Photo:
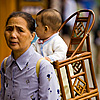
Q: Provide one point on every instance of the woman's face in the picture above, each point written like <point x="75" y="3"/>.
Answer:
<point x="17" y="35"/>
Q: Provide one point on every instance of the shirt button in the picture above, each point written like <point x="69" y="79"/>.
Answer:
<point x="27" y="81"/>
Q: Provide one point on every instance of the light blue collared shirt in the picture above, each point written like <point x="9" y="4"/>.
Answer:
<point x="22" y="83"/>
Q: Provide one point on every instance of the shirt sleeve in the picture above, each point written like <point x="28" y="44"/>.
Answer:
<point x="59" y="50"/>
<point x="48" y="84"/>
<point x="2" y="83"/>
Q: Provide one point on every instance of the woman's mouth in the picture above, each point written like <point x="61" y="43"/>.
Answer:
<point x="13" y="43"/>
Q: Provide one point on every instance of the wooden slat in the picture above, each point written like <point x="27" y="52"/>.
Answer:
<point x="79" y="74"/>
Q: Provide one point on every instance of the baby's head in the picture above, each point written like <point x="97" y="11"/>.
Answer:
<point x="48" y="22"/>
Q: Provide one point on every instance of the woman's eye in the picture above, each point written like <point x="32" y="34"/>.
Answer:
<point x="20" y="30"/>
<point x="9" y="28"/>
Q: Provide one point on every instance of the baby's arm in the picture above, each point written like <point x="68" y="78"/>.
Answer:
<point x="59" y="49"/>
<point x="47" y="58"/>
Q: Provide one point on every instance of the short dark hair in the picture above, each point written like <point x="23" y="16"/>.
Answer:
<point x="28" y="17"/>
<point x="50" y="17"/>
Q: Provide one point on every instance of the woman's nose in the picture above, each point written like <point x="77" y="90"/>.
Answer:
<point x="13" y="34"/>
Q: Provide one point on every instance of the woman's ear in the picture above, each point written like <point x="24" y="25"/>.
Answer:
<point x="33" y="36"/>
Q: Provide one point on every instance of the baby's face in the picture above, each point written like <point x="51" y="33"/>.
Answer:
<point x="43" y="32"/>
<point x="40" y="29"/>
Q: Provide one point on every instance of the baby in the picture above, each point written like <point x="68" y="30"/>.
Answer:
<point x="50" y="45"/>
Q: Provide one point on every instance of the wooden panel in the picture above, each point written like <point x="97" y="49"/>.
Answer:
<point x="32" y="6"/>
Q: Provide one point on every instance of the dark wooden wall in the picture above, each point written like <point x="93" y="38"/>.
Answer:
<point x="6" y="7"/>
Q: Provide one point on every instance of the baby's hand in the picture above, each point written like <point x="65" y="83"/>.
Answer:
<point x="48" y="59"/>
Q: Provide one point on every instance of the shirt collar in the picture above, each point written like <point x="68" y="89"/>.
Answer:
<point x="10" y="60"/>
<point x="22" y="63"/>
<point x="42" y="41"/>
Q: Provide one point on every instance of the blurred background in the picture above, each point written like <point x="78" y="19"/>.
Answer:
<point x="66" y="8"/>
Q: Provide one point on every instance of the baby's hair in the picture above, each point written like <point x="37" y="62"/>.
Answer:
<point x="28" y="17"/>
<point x="51" y="18"/>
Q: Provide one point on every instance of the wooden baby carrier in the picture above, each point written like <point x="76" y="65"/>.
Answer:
<point x="77" y="56"/>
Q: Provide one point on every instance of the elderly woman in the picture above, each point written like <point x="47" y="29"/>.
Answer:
<point x="19" y="79"/>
